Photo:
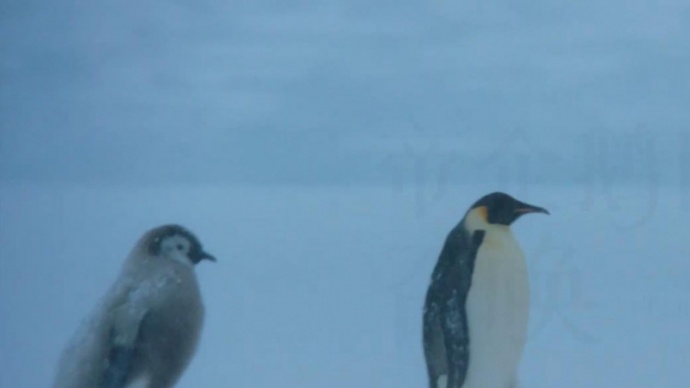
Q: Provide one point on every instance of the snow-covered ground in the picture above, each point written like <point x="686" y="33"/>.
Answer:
<point x="324" y="285"/>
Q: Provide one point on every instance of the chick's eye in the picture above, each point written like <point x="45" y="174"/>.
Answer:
<point x="180" y="247"/>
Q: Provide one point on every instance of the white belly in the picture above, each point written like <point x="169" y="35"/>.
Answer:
<point x="497" y="312"/>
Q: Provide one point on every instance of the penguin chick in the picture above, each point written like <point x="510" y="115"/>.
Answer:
<point x="146" y="328"/>
<point x="477" y="305"/>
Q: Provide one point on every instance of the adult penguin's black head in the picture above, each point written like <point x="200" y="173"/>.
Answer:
<point x="502" y="209"/>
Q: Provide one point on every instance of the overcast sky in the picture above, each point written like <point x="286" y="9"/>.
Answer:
<point x="130" y="92"/>
<point x="120" y="115"/>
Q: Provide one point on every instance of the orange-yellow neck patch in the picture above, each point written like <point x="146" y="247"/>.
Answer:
<point x="483" y="212"/>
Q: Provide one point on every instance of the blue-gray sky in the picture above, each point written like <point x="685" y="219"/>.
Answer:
<point x="349" y="92"/>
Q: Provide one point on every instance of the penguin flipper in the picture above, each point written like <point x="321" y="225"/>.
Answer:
<point x="456" y="282"/>
<point x="456" y="338"/>
<point x="434" y="349"/>
<point x="124" y="335"/>
<point x="119" y="366"/>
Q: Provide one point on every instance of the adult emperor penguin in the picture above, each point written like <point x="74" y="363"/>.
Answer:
<point x="145" y="331"/>
<point x="477" y="306"/>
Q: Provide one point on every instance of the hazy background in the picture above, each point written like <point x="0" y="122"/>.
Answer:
<point x="322" y="150"/>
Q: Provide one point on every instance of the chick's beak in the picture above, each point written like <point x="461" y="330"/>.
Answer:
<point x="207" y="256"/>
